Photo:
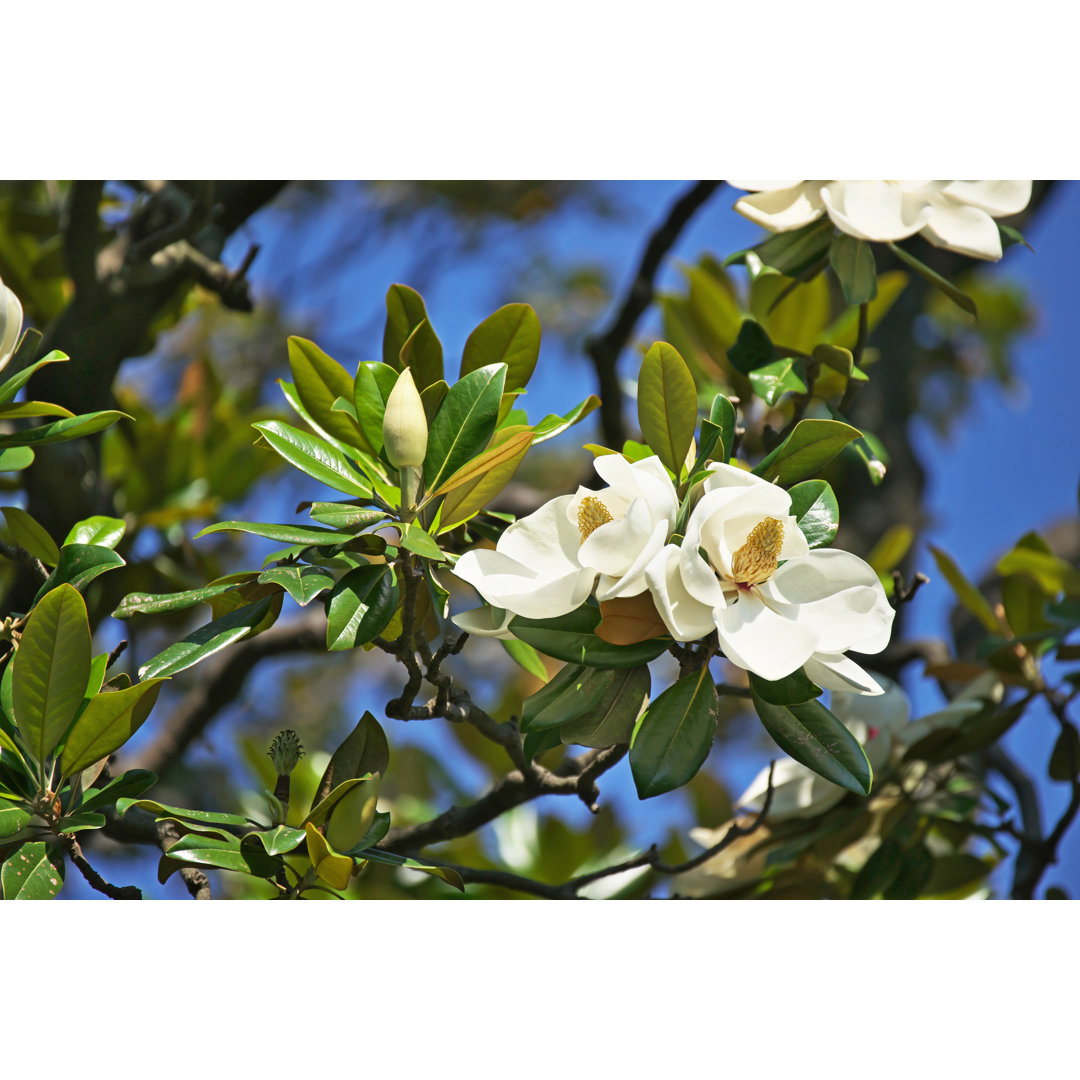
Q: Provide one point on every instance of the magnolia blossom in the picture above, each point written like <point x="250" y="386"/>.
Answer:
<point x="954" y="214"/>
<point x="11" y="317"/>
<point x="746" y="571"/>
<point x="548" y="563"/>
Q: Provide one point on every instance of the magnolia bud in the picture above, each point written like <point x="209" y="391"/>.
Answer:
<point x="405" y="429"/>
<point x="285" y="752"/>
<point x="11" y="318"/>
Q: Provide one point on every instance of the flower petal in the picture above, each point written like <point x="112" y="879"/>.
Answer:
<point x="481" y="622"/>
<point x="835" y="671"/>
<point x="11" y="320"/>
<point x="686" y="617"/>
<point x="966" y="229"/>
<point x="756" y="638"/>
<point x="783" y="209"/>
<point x="874" y="209"/>
<point x="797" y="792"/>
<point x="506" y="583"/>
<point x="999" y="198"/>
<point x="632" y="581"/>
<point x="646" y="478"/>
<point x="546" y="541"/>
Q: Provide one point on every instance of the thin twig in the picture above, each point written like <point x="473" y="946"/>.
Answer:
<point x="96" y="881"/>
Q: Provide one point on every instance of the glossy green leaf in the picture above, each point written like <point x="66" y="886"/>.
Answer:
<point x="343" y="515"/>
<point x="330" y="865"/>
<point x="673" y="737"/>
<point x="319" y="380"/>
<point x="464" y="425"/>
<point x="796" y="252"/>
<point x="474" y="485"/>
<point x="432" y="397"/>
<point x="33" y="871"/>
<point x="302" y="583"/>
<point x="553" y="424"/>
<point x="752" y="349"/>
<point x="360" y="607"/>
<point x="196" y="817"/>
<point x="793" y="689"/>
<point x="966" y="593"/>
<point x="284" y="534"/>
<point x="509" y="336"/>
<point x="771" y="381"/>
<point x="353" y="814"/>
<point x="321" y="811"/>
<point x="99" y="530"/>
<point x="810" y="734"/>
<point x="811" y="445"/>
<point x="363" y="752"/>
<point x="32" y="409"/>
<point x="371" y="388"/>
<point x="13" y="819"/>
<point x="451" y="877"/>
<point x="276" y="841"/>
<point x="127" y="785"/>
<point x="611" y="720"/>
<point x="74" y="427"/>
<point x="405" y="311"/>
<point x="206" y="641"/>
<point x="106" y="724"/>
<point x="156" y="603"/>
<point x="194" y="849"/>
<point x="30" y="535"/>
<point x="422" y="354"/>
<point x="722" y="414"/>
<point x="525" y="656"/>
<point x="572" y="693"/>
<point x="51" y="669"/>
<point x="571" y="637"/>
<point x="935" y="279"/>
<point x="667" y="405"/>
<point x="17" y="381"/>
<point x="814" y="507"/>
<point x="852" y="260"/>
<point x="79" y="564"/>
<point x="315" y="457"/>
<point x="539" y="742"/>
<point x="80" y="822"/>
<point x="416" y="540"/>
<point x="16" y="458"/>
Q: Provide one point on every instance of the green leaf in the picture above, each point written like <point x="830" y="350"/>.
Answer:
<point x="128" y="784"/>
<point x="422" y="353"/>
<point x="405" y="311"/>
<point x="106" y="724"/>
<point x="510" y="336"/>
<point x="771" y="381"/>
<point x="372" y="387"/>
<point x="79" y="564"/>
<point x="464" y="424"/>
<point x="32" y="409"/>
<point x="853" y="261"/>
<point x="553" y="424"/>
<point x="80" y="822"/>
<point x="99" y="530"/>
<point x="33" y="872"/>
<point x="966" y="593"/>
<point x="752" y="349"/>
<point x="156" y="603"/>
<point x="811" y="445"/>
<point x="314" y="456"/>
<point x="353" y="814"/>
<point x="319" y="381"/>
<point x="31" y="536"/>
<point x="342" y="515"/>
<point x="722" y="414"/>
<point x="194" y="849"/>
<point x="612" y="719"/>
<point x="793" y="689"/>
<point x="1032" y="557"/>
<point x="321" y="811"/>
<point x="360" y="607"/>
<point x="475" y="484"/>
<point x="363" y="752"/>
<point x="17" y="381"/>
<point x="1065" y="759"/>
<point x="814" y="507"/>
<point x="197" y="817"/>
<point x="284" y="534"/>
<point x="795" y="252"/>
<point x="206" y="641"/>
<point x="74" y="427"/>
<point x="380" y="826"/>
<point x="51" y="670"/>
<point x="889" y="551"/>
<point x="525" y="656"/>
<point x="667" y="405"/>
<point x="935" y="279"/>
<point x="539" y="742"/>
<point x="674" y="735"/>
<point x="16" y="458"/>
<point x="414" y="539"/>
<point x="302" y="583"/>
<point x="451" y="877"/>
<point x="571" y="638"/>
<point x="432" y="398"/>
<point x="276" y="841"/>
<point x="813" y="736"/>
<point x="572" y="693"/>
<point x="13" y="819"/>
<point x="879" y="871"/>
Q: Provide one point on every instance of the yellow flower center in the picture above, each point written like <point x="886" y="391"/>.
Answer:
<point x="592" y="513"/>
<point x="757" y="559"/>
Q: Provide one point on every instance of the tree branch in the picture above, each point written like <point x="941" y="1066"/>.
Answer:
<point x="96" y="881"/>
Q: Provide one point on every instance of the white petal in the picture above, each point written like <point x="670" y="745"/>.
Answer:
<point x="686" y="618"/>
<point x="999" y="198"/>
<point x="784" y="209"/>
<point x="11" y="319"/>
<point x="480" y="622"/>
<point x="760" y="640"/>
<point x="546" y="541"/>
<point x="834" y="671"/>
<point x="874" y="209"/>
<point x="506" y="583"/>
<point x="611" y="548"/>
<point x="965" y="229"/>
<point x="952" y="716"/>
<point x="797" y="792"/>
<point x="632" y="582"/>
<point x="839" y="595"/>
<point x="647" y="478"/>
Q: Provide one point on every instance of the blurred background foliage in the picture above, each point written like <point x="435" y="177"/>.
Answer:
<point x="188" y="337"/>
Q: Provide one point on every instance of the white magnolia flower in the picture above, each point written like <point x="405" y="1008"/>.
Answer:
<point x="745" y="570"/>
<point x="11" y="318"/>
<point x="954" y="214"/>
<point x="548" y="563"/>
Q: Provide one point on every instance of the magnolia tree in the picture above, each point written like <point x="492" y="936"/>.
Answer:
<point x="689" y="580"/>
